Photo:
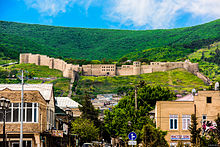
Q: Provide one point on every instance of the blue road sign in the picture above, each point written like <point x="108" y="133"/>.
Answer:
<point x="132" y="136"/>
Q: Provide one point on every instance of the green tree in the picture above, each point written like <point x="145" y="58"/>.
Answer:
<point x="153" y="137"/>
<point x="88" y="110"/>
<point x="195" y="131"/>
<point x="85" y="129"/>
<point x="218" y="126"/>
<point x="115" y="121"/>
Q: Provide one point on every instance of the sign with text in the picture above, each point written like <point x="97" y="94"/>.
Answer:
<point x="131" y="142"/>
<point x="57" y="133"/>
<point x="180" y="137"/>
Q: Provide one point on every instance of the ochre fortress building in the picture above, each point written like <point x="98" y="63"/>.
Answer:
<point x="69" y="70"/>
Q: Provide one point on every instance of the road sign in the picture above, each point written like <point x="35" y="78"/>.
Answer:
<point x="132" y="142"/>
<point x="132" y="136"/>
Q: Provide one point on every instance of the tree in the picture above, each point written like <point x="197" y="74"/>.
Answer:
<point x="88" y="110"/>
<point x="117" y="124"/>
<point x="218" y="126"/>
<point x="195" y="132"/>
<point x="152" y="137"/>
<point x="85" y="129"/>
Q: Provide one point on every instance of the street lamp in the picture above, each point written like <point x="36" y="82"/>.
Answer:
<point x="69" y="116"/>
<point x="4" y="105"/>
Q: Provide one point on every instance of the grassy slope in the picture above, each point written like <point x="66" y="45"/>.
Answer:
<point x="61" y="85"/>
<point x="83" y="43"/>
<point x="178" y="80"/>
<point x="209" y="69"/>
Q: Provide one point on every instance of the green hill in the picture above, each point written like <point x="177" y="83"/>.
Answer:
<point x="90" y="44"/>
<point x="35" y="74"/>
<point x="178" y="80"/>
<point x="209" y="60"/>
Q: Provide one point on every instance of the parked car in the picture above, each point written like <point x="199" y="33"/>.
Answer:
<point x="87" y="144"/>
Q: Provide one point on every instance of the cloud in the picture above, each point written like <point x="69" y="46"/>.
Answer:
<point x="161" y="13"/>
<point x="54" y="7"/>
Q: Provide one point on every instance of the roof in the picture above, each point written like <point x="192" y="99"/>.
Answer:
<point x="46" y="90"/>
<point x="64" y="102"/>
<point x="188" y="97"/>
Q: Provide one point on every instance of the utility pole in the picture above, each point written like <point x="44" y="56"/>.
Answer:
<point x="22" y="99"/>
<point x="135" y="96"/>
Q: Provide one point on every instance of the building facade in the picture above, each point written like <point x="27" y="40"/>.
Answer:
<point x="175" y="116"/>
<point x="38" y="114"/>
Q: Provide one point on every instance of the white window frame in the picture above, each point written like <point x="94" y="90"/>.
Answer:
<point x="173" y="118"/>
<point x="187" y="120"/>
<point x="25" y="108"/>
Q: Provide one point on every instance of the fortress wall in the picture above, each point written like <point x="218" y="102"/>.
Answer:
<point x="96" y="70"/>
<point x="87" y="70"/>
<point x="51" y="63"/>
<point x="109" y="69"/>
<point x="59" y="64"/>
<point x="202" y="77"/>
<point x="136" y="68"/>
<point x="76" y="67"/>
<point x="104" y="69"/>
<point x="44" y="60"/>
<point x="24" y="58"/>
<point x="34" y="59"/>
<point x="192" y="67"/>
<point x="124" y="71"/>
<point x="146" y="69"/>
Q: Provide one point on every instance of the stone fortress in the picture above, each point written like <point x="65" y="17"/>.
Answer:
<point x="69" y="70"/>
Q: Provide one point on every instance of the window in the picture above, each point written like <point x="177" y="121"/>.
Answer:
<point x="30" y="113"/>
<point x="186" y="120"/>
<point x="173" y="122"/>
<point x="209" y="99"/>
<point x="204" y="117"/>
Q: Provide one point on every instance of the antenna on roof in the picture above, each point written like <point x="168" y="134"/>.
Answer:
<point x="193" y="91"/>
<point x="217" y="86"/>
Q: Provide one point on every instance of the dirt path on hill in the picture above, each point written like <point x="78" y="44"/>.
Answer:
<point x="170" y="79"/>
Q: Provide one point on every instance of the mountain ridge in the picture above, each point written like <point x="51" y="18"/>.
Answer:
<point x="92" y="43"/>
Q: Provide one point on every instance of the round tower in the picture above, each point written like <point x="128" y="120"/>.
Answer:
<point x="136" y="68"/>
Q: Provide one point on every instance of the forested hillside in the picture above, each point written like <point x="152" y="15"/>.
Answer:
<point x="90" y="44"/>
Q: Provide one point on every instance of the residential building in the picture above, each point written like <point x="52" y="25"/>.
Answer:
<point x="38" y="112"/>
<point x="175" y="116"/>
<point x="66" y="111"/>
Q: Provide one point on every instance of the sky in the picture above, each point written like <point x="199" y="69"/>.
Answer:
<point x="111" y="14"/>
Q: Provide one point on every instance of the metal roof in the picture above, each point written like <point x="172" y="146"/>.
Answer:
<point x="64" y="102"/>
<point x="46" y="90"/>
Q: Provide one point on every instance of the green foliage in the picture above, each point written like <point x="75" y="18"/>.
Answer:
<point x="195" y="131"/>
<point x="61" y="86"/>
<point x="85" y="129"/>
<point x="83" y="43"/>
<point x="179" y="80"/>
<point x="218" y="126"/>
<point x="153" y="137"/>
<point x="202" y="140"/>
<point x="117" y="124"/>
<point x="36" y="71"/>
<point x="209" y="61"/>
<point x="88" y="111"/>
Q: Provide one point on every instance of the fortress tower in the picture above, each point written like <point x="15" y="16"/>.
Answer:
<point x="136" y="68"/>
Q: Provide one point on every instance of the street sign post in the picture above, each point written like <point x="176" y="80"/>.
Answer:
<point x="132" y="136"/>
<point x="131" y="142"/>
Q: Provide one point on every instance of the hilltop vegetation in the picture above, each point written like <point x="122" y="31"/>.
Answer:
<point x="35" y="74"/>
<point x="178" y="80"/>
<point x="209" y="60"/>
<point x="91" y="44"/>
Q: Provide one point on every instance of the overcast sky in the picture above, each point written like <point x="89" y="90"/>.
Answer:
<point x="111" y="14"/>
